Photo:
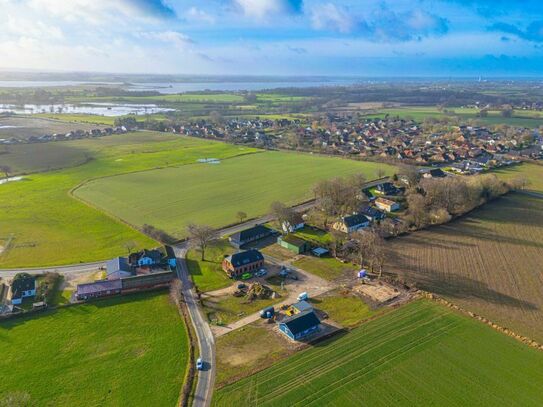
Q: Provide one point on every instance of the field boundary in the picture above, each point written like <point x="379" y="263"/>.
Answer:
<point x="521" y="338"/>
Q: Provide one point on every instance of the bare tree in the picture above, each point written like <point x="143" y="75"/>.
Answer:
<point x="130" y="246"/>
<point x="6" y="169"/>
<point x="241" y="216"/>
<point x="417" y="209"/>
<point x="201" y="236"/>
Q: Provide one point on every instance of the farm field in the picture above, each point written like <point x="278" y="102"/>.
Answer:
<point x="488" y="262"/>
<point x="52" y="228"/>
<point x="216" y="193"/>
<point x="23" y="127"/>
<point x="415" y="355"/>
<point x="532" y="172"/>
<point x="100" y="353"/>
<point x="520" y="118"/>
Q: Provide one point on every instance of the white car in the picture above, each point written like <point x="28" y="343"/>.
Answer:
<point x="199" y="364"/>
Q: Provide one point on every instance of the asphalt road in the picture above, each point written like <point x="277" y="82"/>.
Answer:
<point x="74" y="268"/>
<point x="206" y="342"/>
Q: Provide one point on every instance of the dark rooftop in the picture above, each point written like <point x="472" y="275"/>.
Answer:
<point x="301" y="322"/>
<point x="354" y="220"/>
<point x="247" y="257"/>
<point x="98" y="286"/>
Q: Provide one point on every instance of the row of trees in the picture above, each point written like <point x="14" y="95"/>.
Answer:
<point x="436" y="201"/>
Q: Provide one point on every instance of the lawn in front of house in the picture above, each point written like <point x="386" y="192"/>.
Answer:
<point x="226" y="309"/>
<point x="208" y="274"/>
<point x="247" y="350"/>
<point x="105" y="353"/>
<point x="343" y="307"/>
<point x="328" y="268"/>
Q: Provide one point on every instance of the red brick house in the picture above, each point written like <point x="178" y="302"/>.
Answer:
<point x="242" y="262"/>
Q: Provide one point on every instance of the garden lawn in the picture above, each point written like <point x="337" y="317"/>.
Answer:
<point x="226" y="309"/>
<point x="213" y="194"/>
<point x="50" y="227"/>
<point x="208" y="275"/>
<point x="420" y="354"/>
<point x="130" y="351"/>
<point x="346" y="309"/>
<point x="328" y="268"/>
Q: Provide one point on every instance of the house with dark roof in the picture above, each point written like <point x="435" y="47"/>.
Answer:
<point x="373" y="214"/>
<point x="300" y="326"/>
<point x="250" y="235"/>
<point x="387" y="188"/>
<point x="117" y="268"/>
<point x="22" y="286"/>
<point x="149" y="258"/>
<point x="351" y="223"/>
<point x="435" y="173"/>
<point x="243" y="262"/>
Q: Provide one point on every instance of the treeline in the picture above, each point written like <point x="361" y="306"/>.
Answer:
<point x="437" y="201"/>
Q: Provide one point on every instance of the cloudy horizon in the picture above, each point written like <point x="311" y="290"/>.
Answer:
<point x="274" y="37"/>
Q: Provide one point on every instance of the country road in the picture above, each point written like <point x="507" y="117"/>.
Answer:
<point x="206" y="342"/>
<point x="71" y="269"/>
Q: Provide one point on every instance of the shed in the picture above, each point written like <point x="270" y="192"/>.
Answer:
<point x="320" y="251"/>
<point x="117" y="268"/>
<point x="300" y="326"/>
<point x="302" y="306"/>
<point x="294" y="244"/>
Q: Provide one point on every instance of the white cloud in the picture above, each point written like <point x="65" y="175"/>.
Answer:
<point x="333" y="18"/>
<point x="196" y="14"/>
<point x="263" y="8"/>
<point x="179" y="40"/>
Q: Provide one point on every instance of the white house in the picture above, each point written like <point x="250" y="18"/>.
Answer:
<point x="22" y="286"/>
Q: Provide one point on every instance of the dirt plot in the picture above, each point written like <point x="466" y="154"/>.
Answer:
<point x="23" y="127"/>
<point x="489" y="262"/>
<point x="380" y="293"/>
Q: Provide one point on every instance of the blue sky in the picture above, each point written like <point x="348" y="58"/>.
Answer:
<point x="275" y="37"/>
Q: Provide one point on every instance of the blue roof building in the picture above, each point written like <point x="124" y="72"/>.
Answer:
<point x="300" y="326"/>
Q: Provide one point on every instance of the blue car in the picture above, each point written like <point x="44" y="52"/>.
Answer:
<point x="199" y="364"/>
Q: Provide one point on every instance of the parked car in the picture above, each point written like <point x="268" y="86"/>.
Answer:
<point x="261" y="272"/>
<point x="242" y="286"/>
<point x="199" y="364"/>
<point x="246" y="276"/>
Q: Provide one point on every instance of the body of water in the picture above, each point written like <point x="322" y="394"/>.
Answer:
<point x="102" y="109"/>
<point x="181" y="87"/>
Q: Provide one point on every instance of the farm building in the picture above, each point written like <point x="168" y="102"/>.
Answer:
<point x="300" y="326"/>
<point x="387" y="205"/>
<point x="352" y="223"/>
<point x="242" y="262"/>
<point x="104" y="288"/>
<point x="294" y="244"/>
<point x="250" y="235"/>
<point x="22" y="286"/>
<point x="118" y="268"/>
<point x="146" y="258"/>
<point x="98" y="289"/>
<point x="373" y="214"/>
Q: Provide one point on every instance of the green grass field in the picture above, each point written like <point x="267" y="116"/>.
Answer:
<point x="521" y="118"/>
<point x="420" y="354"/>
<point x="208" y="275"/>
<point x="344" y="308"/>
<point x="51" y="227"/>
<point x="328" y="268"/>
<point x="213" y="194"/>
<point x="122" y="351"/>
<point x="532" y="172"/>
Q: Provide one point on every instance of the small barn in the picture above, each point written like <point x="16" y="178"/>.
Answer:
<point x="294" y="244"/>
<point x="300" y="326"/>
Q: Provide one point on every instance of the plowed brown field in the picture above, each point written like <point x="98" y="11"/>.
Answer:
<point x="490" y="262"/>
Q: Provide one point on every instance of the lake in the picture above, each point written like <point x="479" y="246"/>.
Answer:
<point x="102" y="109"/>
